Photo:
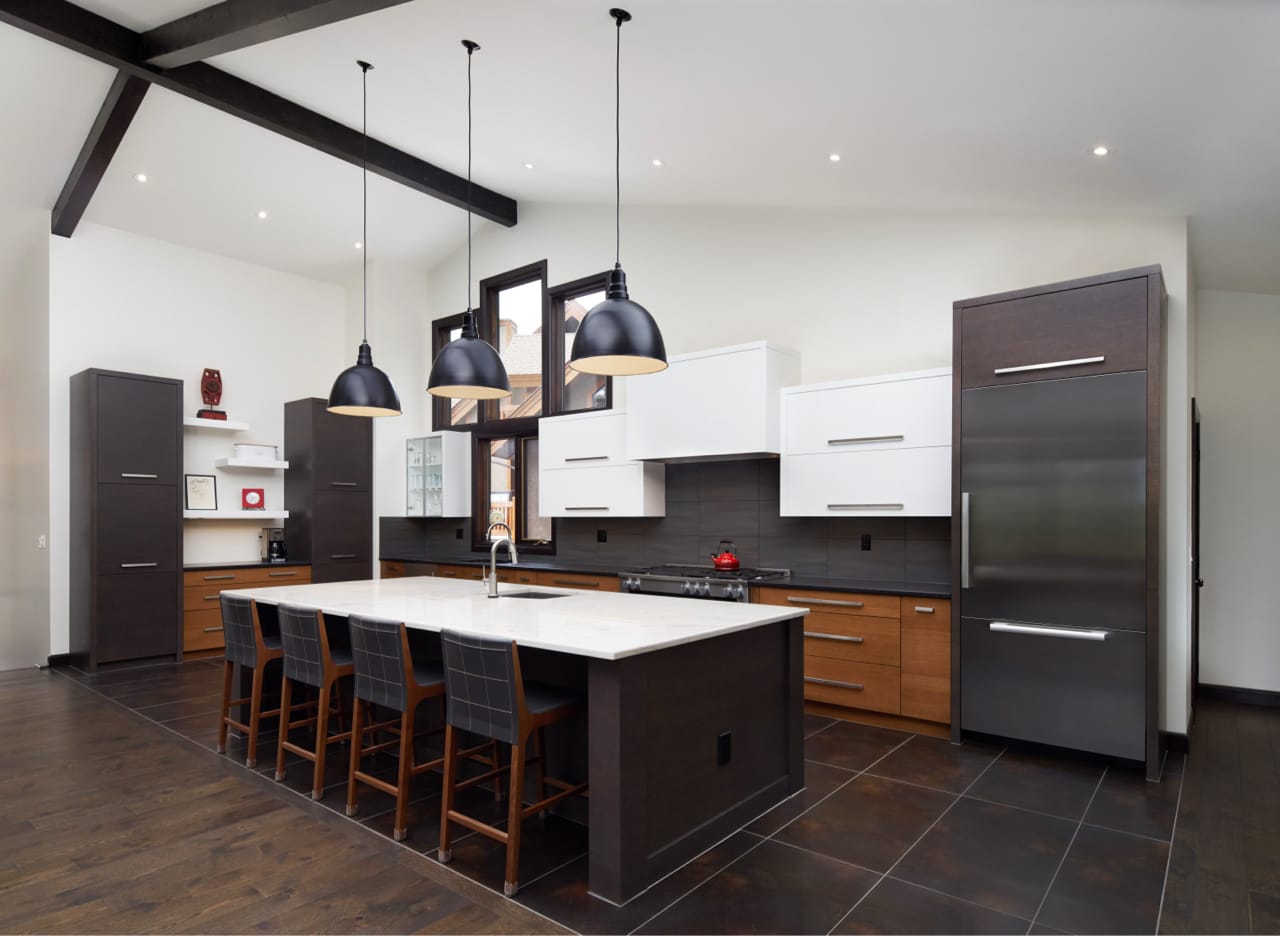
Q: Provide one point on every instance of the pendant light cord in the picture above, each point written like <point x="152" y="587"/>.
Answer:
<point x="617" y="148"/>
<point x="470" y="51"/>
<point x="364" y="168"/>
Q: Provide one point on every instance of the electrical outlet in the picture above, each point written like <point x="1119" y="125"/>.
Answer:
<point x="724" y="748"/>
<point x="42" y="542"/>
<point x="457" y="534"/>
<point x="866" y="542"/>
<point x="602" y="536"/>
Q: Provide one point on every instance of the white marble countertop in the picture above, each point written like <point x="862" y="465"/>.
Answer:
<point x="605" y="625"/>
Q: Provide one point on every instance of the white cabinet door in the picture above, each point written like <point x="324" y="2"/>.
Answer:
<point x="868" y="416"/>
<point x="619" y="491"/>
<point x="585" y="440"/>
<point x="902" y="482"/>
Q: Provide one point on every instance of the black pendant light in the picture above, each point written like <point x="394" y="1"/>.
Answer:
<point x="468" y="368"/>
<point x="363" y="390"/>
<point x="618" y="337"/>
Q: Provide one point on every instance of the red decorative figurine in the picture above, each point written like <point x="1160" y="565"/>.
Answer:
<point x="211" y="393"/>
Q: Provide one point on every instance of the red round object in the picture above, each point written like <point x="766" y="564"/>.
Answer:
<point x="727" y="559"/>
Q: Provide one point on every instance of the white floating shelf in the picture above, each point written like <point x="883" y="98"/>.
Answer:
<point x="226" y="425"/>
<point x="248" y="464"/>
<point x="235" y="515"/>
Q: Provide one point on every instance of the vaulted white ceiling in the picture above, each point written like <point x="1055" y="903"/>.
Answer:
<point x="932" y="104"/>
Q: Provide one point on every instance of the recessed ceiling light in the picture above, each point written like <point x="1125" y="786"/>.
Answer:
<point x="359" y="246"/>
<point x="834" y="157"/>
<point x="657" y="162"/>
<point x="528" y="165"/>
<point x="262" y="216"/>
<point x="1101" y="150"/>
<point x="140" y="177"/>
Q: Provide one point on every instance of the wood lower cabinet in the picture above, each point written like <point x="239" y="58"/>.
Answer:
<point x="608" y="583"/>
<point x="471" y="573"/>
<point x="395" y="568"/>
<point x="887" y="654"/>
<point x="202" y="589"/>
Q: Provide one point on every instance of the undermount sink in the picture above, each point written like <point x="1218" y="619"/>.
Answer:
<point x="532" y="594"/>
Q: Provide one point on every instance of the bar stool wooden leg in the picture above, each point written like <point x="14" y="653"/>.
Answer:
<point x="540" y="765"/>
<point x="255" y="715"/>
<point x="228" y="669"/>
<point x="357" y="743"/>
<point x="286" y="697"/>
<point x="445" y="853"/>
<point x="515" y="817"/>
<point x="322" y="739"/>
<point x="406" y="770"/>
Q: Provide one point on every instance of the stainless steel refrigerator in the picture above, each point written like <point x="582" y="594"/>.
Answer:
<point x="1053" y="566"/>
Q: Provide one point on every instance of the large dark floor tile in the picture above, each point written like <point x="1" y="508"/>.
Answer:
<point x="936" y="763"/>
<point x="563" y="895"/>
<point x="771" y="889"/>
<point x="819" y="781"/>
<point x="1126" y="801"/>
<point x="545" y="844"/>
<point x="999" y="857"/>
<point x="1047" y="783"/>
<point x="870" y="822"/>
<point x="898" y="907"/>
<point x="852" y="746"/>
<point x="203" y="704"/>
<point x="1110" y="883"/>
<point x="815" y="723"/>
<point x="1264" y="912"/>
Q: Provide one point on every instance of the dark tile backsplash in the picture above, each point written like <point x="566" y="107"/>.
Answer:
<point x="710" y="501"/>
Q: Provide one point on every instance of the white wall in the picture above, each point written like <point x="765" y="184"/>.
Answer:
<point x="1239" y="396"/>
<point x="24" y="433"/>
<point x="859" y="294"/>
<point x="124" y="302"/>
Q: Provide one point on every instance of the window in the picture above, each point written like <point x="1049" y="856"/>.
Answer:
<point x="570" y="303"/>
<point x="514" y="305"/>
<point x="507" y="492"/>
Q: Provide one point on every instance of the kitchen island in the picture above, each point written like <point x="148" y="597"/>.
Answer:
<point x="695" y="721"/>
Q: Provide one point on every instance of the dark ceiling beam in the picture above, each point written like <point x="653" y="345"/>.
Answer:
<point x="237" y="24"/>
<point x="99" y="38"/>
<point x="123" y="101"/>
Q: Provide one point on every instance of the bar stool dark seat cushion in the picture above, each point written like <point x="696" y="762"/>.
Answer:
<point x="428" y="673"/>
<point x="539" y="697"/>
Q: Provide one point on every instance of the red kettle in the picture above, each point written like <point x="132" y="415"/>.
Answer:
<point x="727" y="560"/>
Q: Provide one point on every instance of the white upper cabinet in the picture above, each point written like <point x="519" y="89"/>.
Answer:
<point x="711" y="404"/>
<point x="583" y="471"/>
<point x="438" y="475"/>
<point x="865" y="448"/>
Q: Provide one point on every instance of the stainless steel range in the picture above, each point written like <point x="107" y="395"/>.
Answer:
<point x="697" y="581"/>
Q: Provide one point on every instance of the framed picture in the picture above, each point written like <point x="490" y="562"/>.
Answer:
<point x="202" y="492"/>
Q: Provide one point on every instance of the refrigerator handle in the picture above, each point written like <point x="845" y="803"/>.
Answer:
<point x="964" y="540"/>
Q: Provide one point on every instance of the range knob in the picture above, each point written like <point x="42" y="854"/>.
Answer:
<point x="686" y="588"/>
<point x="706" y="588"/>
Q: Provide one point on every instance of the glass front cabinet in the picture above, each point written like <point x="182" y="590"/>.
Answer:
<point x="438" y="475"/>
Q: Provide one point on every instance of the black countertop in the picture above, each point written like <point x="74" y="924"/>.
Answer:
<point x="916" y="589"/>
<point x="194" y="566"/>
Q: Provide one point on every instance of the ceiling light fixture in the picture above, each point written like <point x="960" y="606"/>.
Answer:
<point x="362" y="389"/>
<point x="468" y="368"/>
<point x="1101" y="150"/>
<point x="528" y="165"/>
<point x="262" y="216"/>
<point x="359" y="245"/>
<point x="140" y="177"/>
<point x="657" y="162"/>
<point x="618" y="337"/>
<point x="834" y="157"/>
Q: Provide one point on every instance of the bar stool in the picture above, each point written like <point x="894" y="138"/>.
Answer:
<point x="309" y="659"/>
<point x="386" y="675"/>
<point x="249" y="646"/>
<point x="488" y="696"/>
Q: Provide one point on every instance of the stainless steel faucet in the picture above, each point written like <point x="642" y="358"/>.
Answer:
<point x="488" y="534"/>
<point x="493" y="560"/>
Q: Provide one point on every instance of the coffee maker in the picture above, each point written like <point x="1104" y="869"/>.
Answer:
<point x="272" y="540"/>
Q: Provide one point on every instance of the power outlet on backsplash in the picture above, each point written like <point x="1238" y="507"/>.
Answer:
<point x="866" y="542"/>
<point x="457" y="533"/>
<point x="602" y="536"/>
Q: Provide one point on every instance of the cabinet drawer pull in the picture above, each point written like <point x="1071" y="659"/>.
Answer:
<point x="865" y="506"/>
<point x="822" y="636"/>
<point x="861" y="440"/>
<point x="578" y="458"/>
<point x="281" y="574"/>
<point x="218" y="578"/>
<point x="586" y="508"/>
<point x="575" y="584"/>
<point x="343" y="556"/>
<point x="138" y="565"/>
<point x="796" y="599"/>
<point x="213" y="630"/>
<point x="834" y="682"/>
<point x="1076" y="362"/>
<point x="136" y="474"/>
<point x="345" y="483"/>
<point x="1035" y="630"/>
<point x="210" y="597"/>
<point x="447" y="574"/>
<point x="922" y="609"/>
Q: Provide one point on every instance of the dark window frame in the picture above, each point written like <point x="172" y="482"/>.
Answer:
<point x="482" y="436"/>
<point x="557" y="296"/>
<point x="490" y="287"/>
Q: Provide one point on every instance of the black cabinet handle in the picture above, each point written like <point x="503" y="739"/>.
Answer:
<point x="218" y="578"/>
<point x="343" y="556"/>
<point x="344" y="483"/>
<point x="281" y="574"/>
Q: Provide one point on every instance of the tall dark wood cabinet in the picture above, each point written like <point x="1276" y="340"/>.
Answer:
<point x="328" y="491"/>
<point x="1057" y="447"/>
<point x="126" y="517"/>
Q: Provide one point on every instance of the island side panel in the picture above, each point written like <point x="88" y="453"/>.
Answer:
<point x="659" y="795"/>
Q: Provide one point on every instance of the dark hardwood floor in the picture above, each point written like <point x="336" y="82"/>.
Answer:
<point x="121" y="818"/>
